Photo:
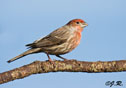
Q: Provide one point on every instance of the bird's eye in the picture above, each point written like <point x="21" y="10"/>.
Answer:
<point x="77" y="22"/>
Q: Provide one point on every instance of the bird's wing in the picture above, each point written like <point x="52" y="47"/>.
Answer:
<point x="57" y="37"/>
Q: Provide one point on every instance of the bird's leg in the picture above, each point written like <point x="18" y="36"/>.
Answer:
<point x="61" y="57"/>
<point x="49" y="57"/>
<point x="50" y="60"/>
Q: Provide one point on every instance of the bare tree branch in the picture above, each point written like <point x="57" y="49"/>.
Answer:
<point x="62" y="66"/>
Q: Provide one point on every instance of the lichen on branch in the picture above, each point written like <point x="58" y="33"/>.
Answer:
<point x="62" y="66"/>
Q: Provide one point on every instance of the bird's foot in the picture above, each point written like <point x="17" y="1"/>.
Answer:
<point x="51" y="61"/>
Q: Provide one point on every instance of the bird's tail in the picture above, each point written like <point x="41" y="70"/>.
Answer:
<point x="35" y="50"/>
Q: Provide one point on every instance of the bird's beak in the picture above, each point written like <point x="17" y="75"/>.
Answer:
<point x="84" y="25"/>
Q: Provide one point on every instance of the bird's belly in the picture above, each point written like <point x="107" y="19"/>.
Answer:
<point x="61" y="49"/>
<point x="56" y="50"/>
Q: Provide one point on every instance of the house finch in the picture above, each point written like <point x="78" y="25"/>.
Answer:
<point x="59" y="42"/>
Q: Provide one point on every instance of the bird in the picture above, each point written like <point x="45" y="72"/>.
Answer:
<point x="61" y="41"/>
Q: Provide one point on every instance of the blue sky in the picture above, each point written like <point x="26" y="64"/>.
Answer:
<point x="23" y="21"/>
